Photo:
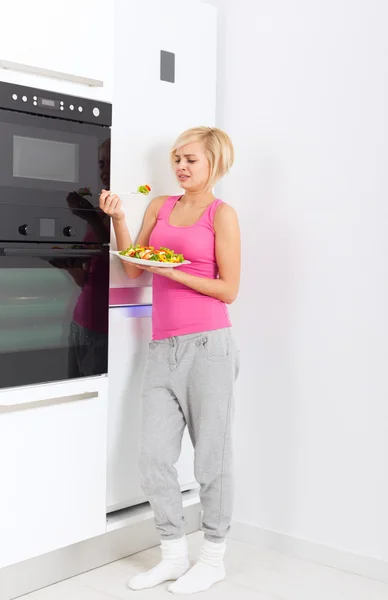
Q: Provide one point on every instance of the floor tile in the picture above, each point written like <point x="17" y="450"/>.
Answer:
<point x="131" y="565"/>
<point x="294" y="579"/>
<point x="252" y="574"/>
<point x="226" y="590"/>
<point x="117" y="586"/>
<point x="68" y="590"/>
<point x="112" y="580"/>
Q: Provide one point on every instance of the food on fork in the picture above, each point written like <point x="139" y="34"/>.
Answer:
<point x="150" y="253"/>
<point x="85" y="191"/>
<point x="143" y="189"/>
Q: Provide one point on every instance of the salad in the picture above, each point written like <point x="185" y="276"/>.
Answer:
<point x="144" y="189"/>
<point x="150" y="253"/>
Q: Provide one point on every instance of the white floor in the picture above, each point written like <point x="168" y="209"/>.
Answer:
<point x="253" y="574"/>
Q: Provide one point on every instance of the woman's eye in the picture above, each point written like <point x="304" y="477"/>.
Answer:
<point x="191" y="161"/>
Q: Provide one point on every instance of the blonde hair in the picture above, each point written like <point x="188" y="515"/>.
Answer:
<point x="218" y="149"/>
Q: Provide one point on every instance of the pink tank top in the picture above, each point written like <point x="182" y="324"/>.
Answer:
<point x="177" y="309"/>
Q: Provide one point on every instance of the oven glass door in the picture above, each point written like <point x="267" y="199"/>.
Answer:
<point x="53" y="312"/>
<point x="43" y="160"/>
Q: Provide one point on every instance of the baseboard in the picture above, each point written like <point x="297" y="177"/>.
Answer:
<point x="373" y="568"/>
<point x="127" y="533"/>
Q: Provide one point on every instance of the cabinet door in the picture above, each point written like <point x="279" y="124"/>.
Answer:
<point x="66" y="38"/>
<point x="53" y="468"/>
<point x="129" y="335"/>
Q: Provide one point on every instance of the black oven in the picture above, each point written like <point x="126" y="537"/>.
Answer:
<point x="54" y="240"/>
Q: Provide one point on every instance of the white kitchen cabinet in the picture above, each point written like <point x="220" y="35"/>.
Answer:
<point x="72" y="39"/>
<point x="129" y="336"/>
<point x="53" y="467"/>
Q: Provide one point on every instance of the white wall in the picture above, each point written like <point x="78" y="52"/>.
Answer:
<point x="303" y="92"/>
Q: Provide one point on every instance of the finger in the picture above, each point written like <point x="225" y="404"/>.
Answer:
<point x="105" y="205"/>
<point x="102" y="201"/>
<point x="116" y="203"/>
<point x="103" y="198"/>
<point x="110" y="202"/>
<point x="112" y="198"/>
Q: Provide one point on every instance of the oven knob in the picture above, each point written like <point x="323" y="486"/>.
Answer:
<point x="69" y="231"/>
<point x="23" y="230"/>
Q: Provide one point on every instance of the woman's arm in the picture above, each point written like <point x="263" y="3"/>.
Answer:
<point x="112" y="206"/>
<point x="228" y="256"/>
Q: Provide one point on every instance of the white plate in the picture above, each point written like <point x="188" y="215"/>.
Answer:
<point x="148" y="263"/>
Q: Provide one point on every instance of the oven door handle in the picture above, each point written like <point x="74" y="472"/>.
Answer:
<point x="49" y="253"/>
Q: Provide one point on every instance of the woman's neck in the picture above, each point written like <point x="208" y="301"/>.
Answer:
<point x="198" y="198"/>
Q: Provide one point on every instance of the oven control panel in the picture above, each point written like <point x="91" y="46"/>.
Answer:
<point x="41" y="228"/>
<point x="52" y="104"/>
<point x="50" y="224"/>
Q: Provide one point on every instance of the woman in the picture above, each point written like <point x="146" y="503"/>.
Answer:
<point x="193" y="360"/>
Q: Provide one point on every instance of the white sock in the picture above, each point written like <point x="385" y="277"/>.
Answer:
<point x="174" y="564"/>
<point x="208" y="571"/>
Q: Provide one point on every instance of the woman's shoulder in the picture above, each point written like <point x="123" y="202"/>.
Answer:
<point x="159" y="203"/>
<point x="224" y="210"/>
<point x="224" y="215"/>
<point x="159" y="200"/>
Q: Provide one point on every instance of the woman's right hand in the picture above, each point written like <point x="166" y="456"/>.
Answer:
<point x="111" y="205"/>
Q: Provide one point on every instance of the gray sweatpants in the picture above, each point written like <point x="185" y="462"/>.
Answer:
<point x="189" y="381"/>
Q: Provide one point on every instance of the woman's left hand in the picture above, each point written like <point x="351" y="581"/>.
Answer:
<point x="164" y="271"/>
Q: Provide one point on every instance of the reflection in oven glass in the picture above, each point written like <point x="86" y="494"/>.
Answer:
<point x="53" y="317"/>
<point x="88" y="341"/>
<point x="88" y="324"/>
<point x="35" y="158"/>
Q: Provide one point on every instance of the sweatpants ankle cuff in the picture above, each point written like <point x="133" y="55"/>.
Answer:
<point x="214" y="539"/>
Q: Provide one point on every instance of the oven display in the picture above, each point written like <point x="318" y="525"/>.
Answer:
<point x="48" y="103"/>
<point x="47" y="227"/>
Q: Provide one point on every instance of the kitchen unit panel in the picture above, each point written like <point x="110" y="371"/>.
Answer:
<point x="53" y="467"/>
<point x="59" y="46"/>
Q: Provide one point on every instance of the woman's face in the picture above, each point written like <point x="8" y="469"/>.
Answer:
<point x="192" y="167"/>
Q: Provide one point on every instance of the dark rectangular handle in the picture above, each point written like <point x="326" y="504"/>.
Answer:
<point x="49" y="253"/>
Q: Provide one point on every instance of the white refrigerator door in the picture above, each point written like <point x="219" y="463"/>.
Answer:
<point x="153" y="102"/>
<point x="148" y="112"/>
<point x="130" y="333"/>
